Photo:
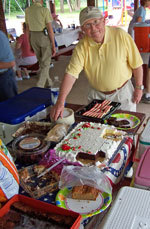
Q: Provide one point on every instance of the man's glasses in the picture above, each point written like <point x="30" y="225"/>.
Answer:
<point x="95" y="23"/>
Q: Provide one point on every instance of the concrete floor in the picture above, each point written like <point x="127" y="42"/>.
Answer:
<point x="79" y="92"/>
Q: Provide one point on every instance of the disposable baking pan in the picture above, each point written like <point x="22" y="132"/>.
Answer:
<point x="42" y="207"/>
<point x="79" y="114"/>
<point x="37" y="187"/>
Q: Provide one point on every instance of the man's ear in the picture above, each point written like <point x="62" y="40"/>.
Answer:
<point x="104" y="19"/>
<point x="82" y="28"/>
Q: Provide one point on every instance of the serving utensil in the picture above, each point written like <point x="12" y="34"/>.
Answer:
<point x="51" y="167"/>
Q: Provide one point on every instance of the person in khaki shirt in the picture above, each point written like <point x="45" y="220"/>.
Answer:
<point x="38" y="20"/>
<point x="109" y="57"/>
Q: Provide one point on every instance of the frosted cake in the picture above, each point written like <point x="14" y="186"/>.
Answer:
<point x="89" y="141"/>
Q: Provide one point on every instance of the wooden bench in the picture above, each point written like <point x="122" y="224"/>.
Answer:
<point x="67" y="51"/>
<point x="33" y="68"/>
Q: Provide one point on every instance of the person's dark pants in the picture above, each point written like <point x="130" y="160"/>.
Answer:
<point x="8" y="85"/>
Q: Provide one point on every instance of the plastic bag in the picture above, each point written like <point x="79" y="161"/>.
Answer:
<point x="50" y="158"/>
<point x="57" y="132"/>
<point x="9" y="179"/>
<point x="76" y="176"/>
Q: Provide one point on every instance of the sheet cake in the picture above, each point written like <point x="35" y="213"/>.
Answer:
<point x="89" y="140"/>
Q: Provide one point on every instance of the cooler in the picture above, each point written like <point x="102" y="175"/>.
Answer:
<point x="130" y="210"/>
<point x="32" y="104"/>
<point x="142" y="176"/>
<point x="144" y="141"/>
<point x="141" y="36"/>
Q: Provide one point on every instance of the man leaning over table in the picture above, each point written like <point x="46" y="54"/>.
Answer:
<point x="38" y="20"/>
<point x="8" y="86"/>
<point x="108" y="55"/>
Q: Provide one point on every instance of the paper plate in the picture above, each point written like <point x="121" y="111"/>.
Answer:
<point x="133" y="120"/>
<point x="86" y="208"/>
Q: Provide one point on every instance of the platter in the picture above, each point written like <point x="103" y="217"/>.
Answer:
<point x="81" y="113"/>
<point x="132" y="120"/>
<point x="86" y="208"/>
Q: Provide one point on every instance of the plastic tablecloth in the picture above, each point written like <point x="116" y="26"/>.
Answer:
<point x="67" y="37"/>
<point x="114" y="171"/>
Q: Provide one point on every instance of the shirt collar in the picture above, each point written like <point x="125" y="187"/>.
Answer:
<point x="38" y="4"/>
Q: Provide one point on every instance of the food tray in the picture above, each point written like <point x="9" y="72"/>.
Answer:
<point x="38" y="187"/>
<point x="30" y="155"/>
<point x="39" y="207"/>
<point x="79" y="114"/>
<point x="32" y="127"/>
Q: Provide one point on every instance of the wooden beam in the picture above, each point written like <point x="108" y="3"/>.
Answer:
<point x="136" y="5"/>
<point x="2" y="19"/>
<point x="52" y="6"/>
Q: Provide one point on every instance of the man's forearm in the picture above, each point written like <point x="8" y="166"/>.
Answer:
<point x="138" y="76"/>
<point x="6" y="65"/>
<point x="66" y="87"/>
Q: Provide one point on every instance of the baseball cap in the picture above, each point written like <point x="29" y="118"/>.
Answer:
<point x="88" y="13"/>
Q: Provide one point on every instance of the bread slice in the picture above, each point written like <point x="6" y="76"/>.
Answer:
<point x="84" y="192"/>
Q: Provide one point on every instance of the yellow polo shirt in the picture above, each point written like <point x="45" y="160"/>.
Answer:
<point x="37" y="16"/>
<point x="107" y="66"/>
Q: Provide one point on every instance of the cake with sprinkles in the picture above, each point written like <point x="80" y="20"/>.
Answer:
<point x="89" y="141"/>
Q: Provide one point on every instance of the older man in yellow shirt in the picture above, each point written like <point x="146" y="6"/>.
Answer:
<point x="108" y="56"/>
<point x="38" y="20"/>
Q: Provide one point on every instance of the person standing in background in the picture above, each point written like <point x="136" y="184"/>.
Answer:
<point x="146" y="96"/>
<point x="8" y="86"/>
<point x="38" y="20"/>
<point x="26" y="57"/>
<point x="56" y="23"/>
<point x="139" y="16"/>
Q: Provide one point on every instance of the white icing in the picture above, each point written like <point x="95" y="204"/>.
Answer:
<point x="89" y="140"/>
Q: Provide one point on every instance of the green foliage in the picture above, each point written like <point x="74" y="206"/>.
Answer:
<point x="57" y="3"/>
<point x="14" y="6"/>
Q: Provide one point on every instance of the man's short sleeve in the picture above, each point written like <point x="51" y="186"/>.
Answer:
<point x="6" y="54"/>
<point x="26" y="16"/>
<point x="48" y="17"/>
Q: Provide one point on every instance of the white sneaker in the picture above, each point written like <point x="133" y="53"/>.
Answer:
<point x="51" y="65"/>
<point x="26" y="77"/>
<point x="18" y="78"/>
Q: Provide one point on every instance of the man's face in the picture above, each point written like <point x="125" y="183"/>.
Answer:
<point x="95" y="28"/>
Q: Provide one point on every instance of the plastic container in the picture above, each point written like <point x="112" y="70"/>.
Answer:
<point x="141" y="36"/>
<point x="55" y="90"/>
<point x="142" y="176"/>
<point x="130" y="209"/>
<point x="144" y="141"/>
<point x="42" y="207"/>
<point x="30" y="148"/>
<point x="32" y="104"/>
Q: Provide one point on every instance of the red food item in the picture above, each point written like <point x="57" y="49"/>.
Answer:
<point x="86" y="125"/>
<point x="65" y="147"/>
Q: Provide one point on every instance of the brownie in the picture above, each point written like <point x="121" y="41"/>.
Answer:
<point x="84" y="192"/>
<point x="50" y="217"/>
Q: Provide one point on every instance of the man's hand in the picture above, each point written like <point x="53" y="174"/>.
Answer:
<point x="57" y="111"/>
<point x="53" y="51"/>
<point x="137" y="95"/>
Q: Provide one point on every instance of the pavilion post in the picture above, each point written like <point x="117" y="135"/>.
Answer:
<point x="2" y="19"/>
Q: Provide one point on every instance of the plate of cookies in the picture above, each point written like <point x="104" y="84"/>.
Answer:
<point x="123" y="121"/>
<point x="85" y="200"/>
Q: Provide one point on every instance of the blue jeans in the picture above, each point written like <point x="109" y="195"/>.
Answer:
<point x="8" y="85"/>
